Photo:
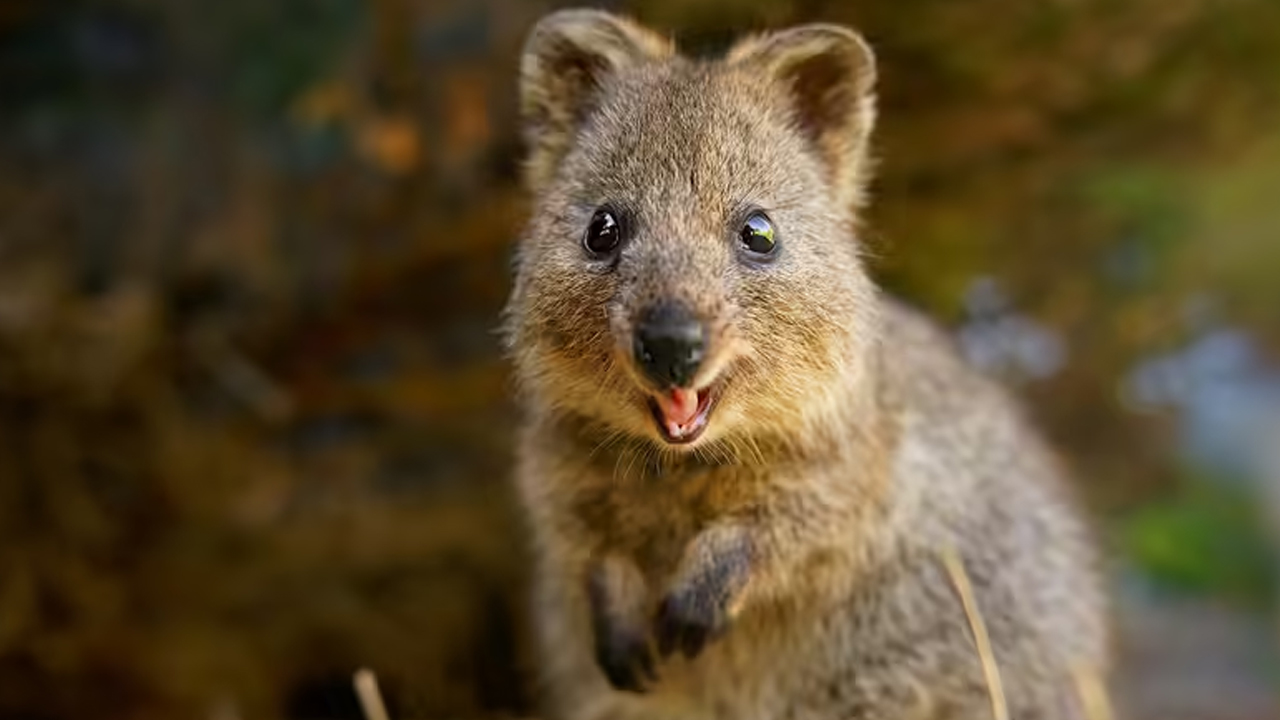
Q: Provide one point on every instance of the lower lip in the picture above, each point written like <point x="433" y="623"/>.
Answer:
<point x="705" y="403"/>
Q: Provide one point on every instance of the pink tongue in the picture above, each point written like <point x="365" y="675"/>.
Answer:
<point x="679" y="406"/>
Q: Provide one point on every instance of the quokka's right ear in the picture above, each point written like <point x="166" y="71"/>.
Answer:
<point x="829" y="72"/>
<point x="568" y="57"/>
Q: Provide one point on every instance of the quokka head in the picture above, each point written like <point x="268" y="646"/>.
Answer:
<point x="691" y="273"/>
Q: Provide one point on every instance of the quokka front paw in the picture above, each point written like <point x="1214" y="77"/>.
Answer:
<point x="626" y="658"/>
<point x="622" y="648"/>
<point x="688" y="619"/>
<point x="707" y="592"/>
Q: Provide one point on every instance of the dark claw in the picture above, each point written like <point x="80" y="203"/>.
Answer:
<point x="626" y="660"/>
<point x="687" y="621"/>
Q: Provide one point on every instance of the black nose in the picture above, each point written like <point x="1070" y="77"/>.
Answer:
<point x="670" y="343"/>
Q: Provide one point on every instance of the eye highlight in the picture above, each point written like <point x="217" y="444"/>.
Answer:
<point x="603" y="235"/>
<point x="758" y="236"/>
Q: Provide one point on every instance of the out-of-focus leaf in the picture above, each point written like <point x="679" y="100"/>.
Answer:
<point x="1209" y="540"/>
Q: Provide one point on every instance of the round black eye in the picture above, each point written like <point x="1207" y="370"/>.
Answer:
<point x="757" y="235"/>
<point x="603" y="234"/>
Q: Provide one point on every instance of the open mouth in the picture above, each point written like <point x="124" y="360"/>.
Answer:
<point x="682" y="414"/>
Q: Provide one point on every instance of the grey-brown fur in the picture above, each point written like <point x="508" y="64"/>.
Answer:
<point x="786" y="565"/>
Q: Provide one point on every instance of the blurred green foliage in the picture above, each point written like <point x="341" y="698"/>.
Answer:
<point x="1211" y="539"/>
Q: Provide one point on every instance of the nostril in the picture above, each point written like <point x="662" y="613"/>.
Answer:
<point x="670" y="343"/>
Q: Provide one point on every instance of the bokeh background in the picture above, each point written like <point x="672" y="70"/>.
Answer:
<point x="254" y="423"/>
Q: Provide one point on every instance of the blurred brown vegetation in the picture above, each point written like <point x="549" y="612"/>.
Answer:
<point x="254" y="423"/>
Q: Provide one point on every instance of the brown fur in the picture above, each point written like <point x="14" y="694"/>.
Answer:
<point x="786" y="564"/>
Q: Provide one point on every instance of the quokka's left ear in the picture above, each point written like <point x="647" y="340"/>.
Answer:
<point x="829" y="72"/>
<point x="568" y="60"/>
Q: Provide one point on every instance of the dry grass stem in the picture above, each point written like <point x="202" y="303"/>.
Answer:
<point x="960" y="580"/>
<point x="1093" y="694"/>
<point x="370" y="699"/>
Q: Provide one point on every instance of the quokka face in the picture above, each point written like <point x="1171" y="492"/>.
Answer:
<point x="690" y="274"/>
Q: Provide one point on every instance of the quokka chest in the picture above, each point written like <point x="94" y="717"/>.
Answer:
<point x="650" y="515"/>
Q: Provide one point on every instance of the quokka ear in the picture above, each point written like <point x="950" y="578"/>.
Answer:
<point x="568" y="57"/>
<point x="829" y="72"/>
